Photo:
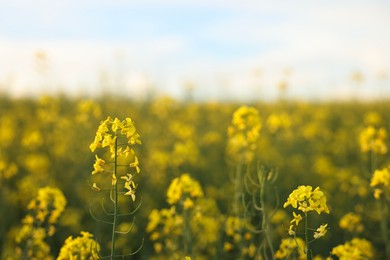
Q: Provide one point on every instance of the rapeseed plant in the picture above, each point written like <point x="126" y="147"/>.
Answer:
<point x="189" y="227"/>
<point x="380" y="181"/>
<point x="118" y="137"/>
<point x="243" y="135"/>
<point x="307" y="200"/>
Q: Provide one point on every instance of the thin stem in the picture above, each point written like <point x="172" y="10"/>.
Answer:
<point x="384" y="226"/>
<point x="264" y="223"/>
<point x="115" y="201"/>
<point x="306" y="239"/>
<point x="187" y="233"/>
<point x="237" y="190"/>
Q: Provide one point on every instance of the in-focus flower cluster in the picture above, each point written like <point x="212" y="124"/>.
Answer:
<point x="243" y="134"/>
<point x="108" y="132"/>
<point x="305" y="199"/>
<point x="184" y="189"/>
<point x="81" y="247"/>
<point x="380" y="181"/>
<point x="357" y="248"/>
<point x="119" y="137"/>
<point x="374" y="140"/>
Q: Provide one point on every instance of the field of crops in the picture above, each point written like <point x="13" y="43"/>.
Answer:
<point x="167" y="179"/>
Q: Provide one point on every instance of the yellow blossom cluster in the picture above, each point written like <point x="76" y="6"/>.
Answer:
<point x="164" y="227"/>
<point x="305" y="199"/>
<point x="374" y="140"/>
<point x="356" y="249"/>
<point x="31" y="243"/>
<point x="87" y="109"/>
<point x="118" y="136"/>
<point x="351" y="222"/>
<point x="243" y="134"/>
<point x="7" y="170"/>
<point x="233" y="225"/>
<point x="291" y="248"/>
<point x="235" y="236"/>
<point x="277" y="121"/>
<point x="45" y="211"/>
<point x="47" y="207"/>
<point x="190" y="215"/>
<point x="380" y="181"/>
<point x="184" y="189"/>
<point x="107" y="134"/>
<point x="81" y="247"/>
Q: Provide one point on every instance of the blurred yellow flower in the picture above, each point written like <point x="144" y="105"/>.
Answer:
<point x="381" y="177"/>
<point x="351" y="222"/>
<point x="356" y="249"/>
<point x="243" y="134"/>
<point x="374" y="140"/>
<point x="291" y="248"/>
<point x="380" y="180"/>
<point x="183" y="186"/>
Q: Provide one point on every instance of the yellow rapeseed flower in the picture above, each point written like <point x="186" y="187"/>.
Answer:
<point x="380" y="181"/>
<point x="118" y="136"/>
<point x="306" y="199"/>
<point x="356" y="249"/>
<point x="183" y="186"/>
<point x="97" y="166"/>
<point x="243" y="134"/>
<point x="290" y="247"/>
<point x="81" y="247"/>
<point x="381" y="177"/>
<point x="321" y="231"/>
<point x="374" y="140"/>
<point x="297" y="219"/>
<point x="351" y="222"/>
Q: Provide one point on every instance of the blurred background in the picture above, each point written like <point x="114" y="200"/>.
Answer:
<point x="206" y="50"/>
<point x="316" y="77"/>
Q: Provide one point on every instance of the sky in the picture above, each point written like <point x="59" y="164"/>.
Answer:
<point x="222" y="49"/>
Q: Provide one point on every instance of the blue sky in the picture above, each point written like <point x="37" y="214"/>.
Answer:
<point x="138" y="46"/>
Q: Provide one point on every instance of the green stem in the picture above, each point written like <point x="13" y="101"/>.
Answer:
<point x="187" y="234"/>
<point x="264" y="223"/>
<point x="384" y="226"/>
<point x="306" y="239"/>
<point x="237" y="190"/>
<point x="238" y="194"/>
<point x="114" y="223"/>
